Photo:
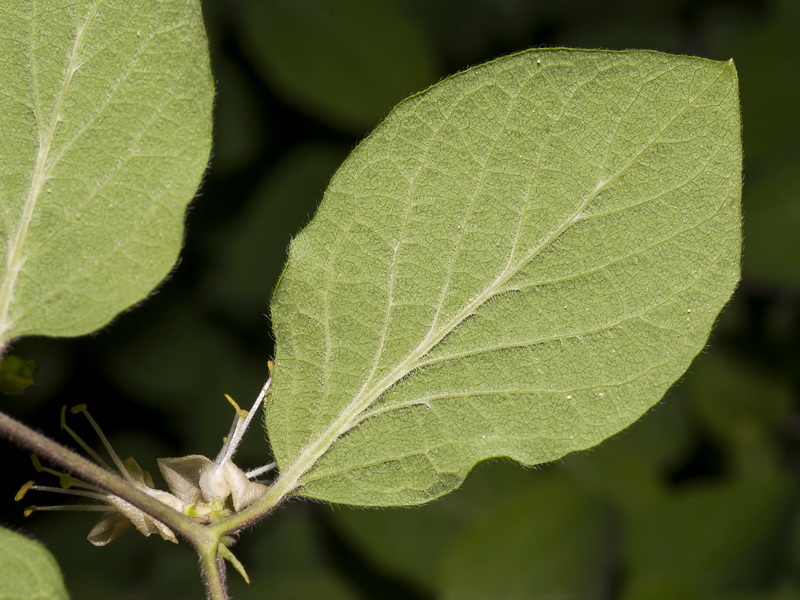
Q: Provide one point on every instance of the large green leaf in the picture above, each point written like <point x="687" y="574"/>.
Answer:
<point x="105" y="118"/>
<point x="518" y="262"/>
<point x="28" y="570"/>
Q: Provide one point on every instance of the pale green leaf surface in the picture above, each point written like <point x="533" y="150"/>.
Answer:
<point x="27" y="570"/>
<point x="518" y="262"/>
<point x="105" y="116"/>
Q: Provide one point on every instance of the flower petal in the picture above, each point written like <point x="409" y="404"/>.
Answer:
<point x="108" y="528"/>
<point x="183" y="476"/>
<point x="243" y="491"/>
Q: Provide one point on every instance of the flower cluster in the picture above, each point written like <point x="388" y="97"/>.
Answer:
<point x="200" y="488"/>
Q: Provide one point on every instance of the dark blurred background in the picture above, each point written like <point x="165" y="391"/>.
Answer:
<point x="697" y="500"/>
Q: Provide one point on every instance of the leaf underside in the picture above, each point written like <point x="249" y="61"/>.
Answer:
<point x="105" y="118"/>
<point x="28" y="570"/>
<point x="517" y="262"/>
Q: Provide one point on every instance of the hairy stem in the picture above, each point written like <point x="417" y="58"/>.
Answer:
<point x="102" y="478"/>
<point x="213" y="568"/>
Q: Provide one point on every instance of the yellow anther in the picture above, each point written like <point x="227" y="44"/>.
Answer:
<point x="29" y="511"/>
<point x="22" y="491"/>
<point x="239" y="411"/>
<point x="270" y="366"/>
<point x="78" y="408"/>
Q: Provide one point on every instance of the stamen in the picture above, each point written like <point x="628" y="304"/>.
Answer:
<point x="97" y="458"/>
<point x="79" y="507"/>
<point x="256" y="405"/>
<point x="81" y="408"/>
<point x="260" y="470"/>
<point x="240" y="425"/>
<point x="239" y="411"/>
<point x="46" y="488"/>
<point x="228" y="439"/>
<point x="65" y="480"/>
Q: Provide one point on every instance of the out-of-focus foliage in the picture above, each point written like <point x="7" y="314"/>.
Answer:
<point x="766" y="53"/>
<point x="313" y="54"/>
<point x="677" y="486"/>
<point x="16" y="374"/>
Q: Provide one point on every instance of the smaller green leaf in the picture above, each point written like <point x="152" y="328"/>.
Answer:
<point x="27" y="570"/>
<point x="105" y="118"/>
<point x="16" y="374"/>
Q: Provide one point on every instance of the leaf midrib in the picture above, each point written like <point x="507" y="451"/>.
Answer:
<point x="349" y="417"/>
<point x="16" y="259"/>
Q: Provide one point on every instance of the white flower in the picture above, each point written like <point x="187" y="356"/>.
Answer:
<point x="203" y="489"/>
<point x="198" y="481"/>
